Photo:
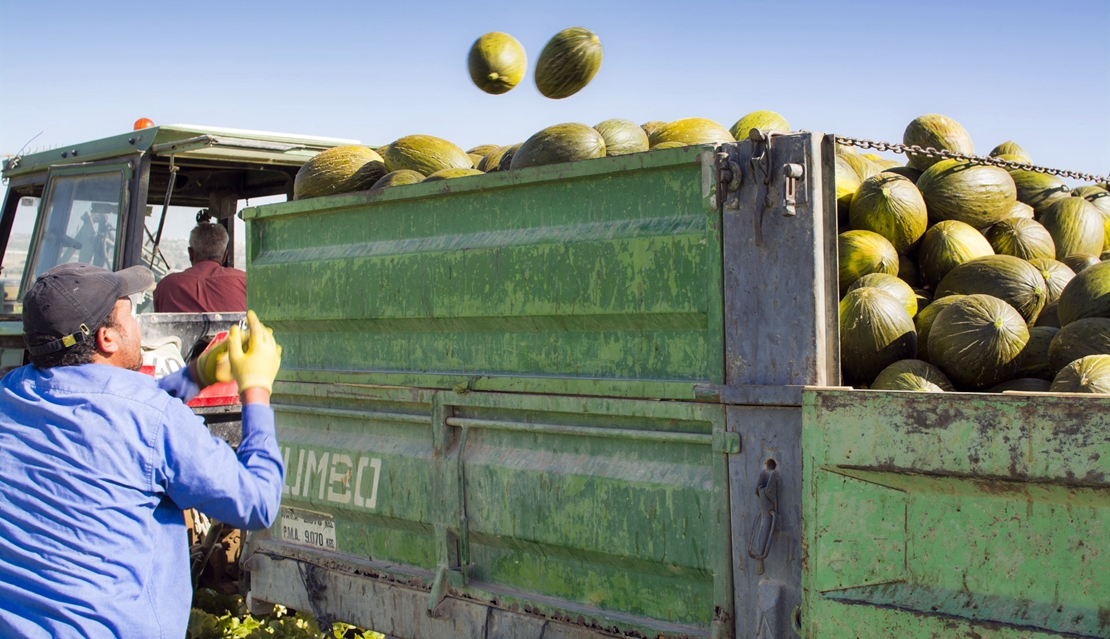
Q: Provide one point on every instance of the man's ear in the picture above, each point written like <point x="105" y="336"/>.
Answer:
<point x="107" y="341"/>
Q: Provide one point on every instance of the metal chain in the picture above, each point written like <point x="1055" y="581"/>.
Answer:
<point x="974" y="159"/>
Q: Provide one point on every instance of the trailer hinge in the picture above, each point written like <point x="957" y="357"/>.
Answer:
<point x="439" y="591"/>
<point x="729" y="177"/>
<point x="726" y="442"/>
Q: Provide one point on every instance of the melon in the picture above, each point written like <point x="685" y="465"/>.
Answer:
<point x="1079" y="262"/>
<point x="483" y="149"/>
<point x="762" y="120"/>
<point x="1056" y="275"/>
<point x="622" y="137"/>
<point x="336" y="170"/>
<point x="1038" y="190"/>
<point x="1008" y="278"/>
<point x="690" y="131"/>
<point x="862" y="253"/>
<point x="913" y="375"/>
<point x="891" y="284"/>
<point x="1022" y="210"/>
<point x="1021" y="237"/>
<point x="652" y="126"/>
<point x="496" y="62"/>
<point x="1088" y="375"/>
<point x="503" y="160"/>
<point x="875" y="332"/>
<point x="945" y="246"/>
<point x="399" y="178"/>
<point x="863" y="167"/>
<point x="1088" y="336"/>
<point x="938" y="132"/>
<point x="1087" y="295"/>
<point x="1100" y="198"/>
<point x="425" y="154"/>
<point x="977" y="341"/>
<point x="847" y="183"/>
<point x="976" y="194"/>
<point x="558" y="144"/>
<point x="1012" y="149"/>
<point x="448" y="174"/>
<point x="891" y="206"/>
<point x="1075" y="225"/>
<point x="923" y="322"/>
<point x="568" y="62"/>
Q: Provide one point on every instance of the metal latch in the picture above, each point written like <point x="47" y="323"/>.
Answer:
<point x="791" y="173"/>
<point x="729" y="177"/>
<point x="763" y="526"/>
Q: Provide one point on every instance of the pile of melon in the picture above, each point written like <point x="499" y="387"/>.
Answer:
<point x="421" y="158"/>
<point x="967" y="276"/>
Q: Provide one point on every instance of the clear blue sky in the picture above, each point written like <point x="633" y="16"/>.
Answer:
<point x="1027" y="70"/>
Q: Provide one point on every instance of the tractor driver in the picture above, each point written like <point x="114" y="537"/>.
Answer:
<point x="98" y="461"/>
<point x="207" y="286"/>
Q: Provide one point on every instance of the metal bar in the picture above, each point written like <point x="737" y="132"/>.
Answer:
<point x="401" y="418"/>
<point x="585" y="431"/>
<point x="11" y="203"/>
<point x="136" y="213"/>
<point x="202" y="141"/>
<point x="165" y="208"/>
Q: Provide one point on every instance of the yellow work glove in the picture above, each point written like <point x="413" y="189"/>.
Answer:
<point x="256" y="363"/>
<point x="213" y="366"/>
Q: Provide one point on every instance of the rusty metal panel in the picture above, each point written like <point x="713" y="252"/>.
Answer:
<point x="599" y="277"/>
<point x="609" y="513"/>
<point x="930" y="515"/>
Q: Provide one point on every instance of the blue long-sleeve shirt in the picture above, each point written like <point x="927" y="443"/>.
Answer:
<point x="96" y="465"/>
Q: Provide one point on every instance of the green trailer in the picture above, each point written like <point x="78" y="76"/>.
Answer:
<point x="601" y="399"/>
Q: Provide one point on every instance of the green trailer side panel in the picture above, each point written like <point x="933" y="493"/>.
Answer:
<point x="612" y="510"/>
<point x="949" y="515"/>
<point x="605" y="274"/>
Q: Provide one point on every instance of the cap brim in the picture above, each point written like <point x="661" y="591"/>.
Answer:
<point x="135" y="279"/>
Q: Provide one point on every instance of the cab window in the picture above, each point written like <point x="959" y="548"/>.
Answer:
<point x="81" y="221"/>
<point x="15" y="258"/>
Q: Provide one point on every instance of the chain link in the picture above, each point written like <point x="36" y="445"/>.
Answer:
<point x="974" y="159"/>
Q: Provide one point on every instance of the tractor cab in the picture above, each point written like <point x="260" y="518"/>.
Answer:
<point x="132" y="199"/>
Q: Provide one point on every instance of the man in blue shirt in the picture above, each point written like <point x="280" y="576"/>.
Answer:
<point x="97" y="462"/>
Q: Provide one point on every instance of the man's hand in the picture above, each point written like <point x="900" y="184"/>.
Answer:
<point x="213" y="366"/>
<point x="254" y="364"/>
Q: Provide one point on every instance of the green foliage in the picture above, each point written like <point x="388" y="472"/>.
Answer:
<point x="217" y="616"/>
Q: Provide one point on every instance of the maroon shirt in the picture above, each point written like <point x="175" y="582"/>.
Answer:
<point x="205" y="287"/>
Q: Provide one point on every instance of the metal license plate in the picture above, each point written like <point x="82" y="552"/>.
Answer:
<point x="307" y="528"/>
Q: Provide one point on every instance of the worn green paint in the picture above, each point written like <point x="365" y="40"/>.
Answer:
<point x="940" y="515"/>
<point x="595" y="279"/>
<point x="545" y="506"/>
